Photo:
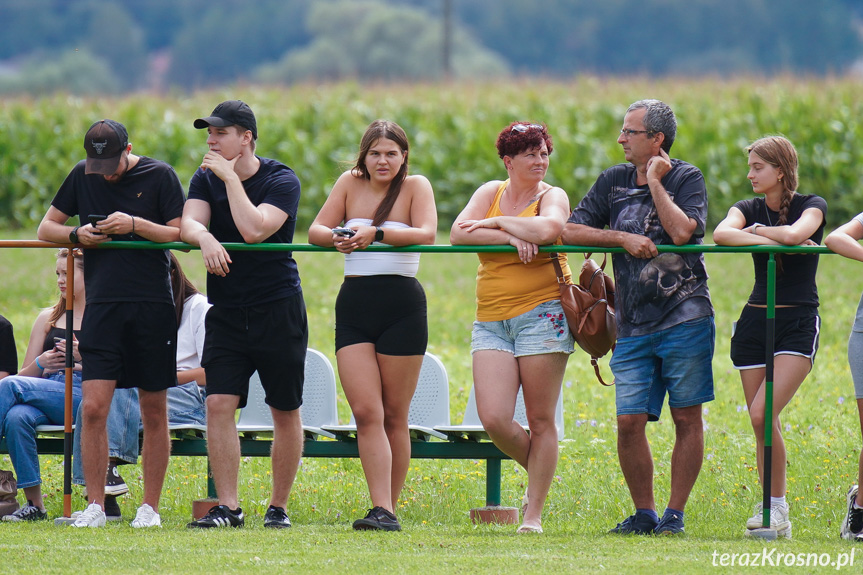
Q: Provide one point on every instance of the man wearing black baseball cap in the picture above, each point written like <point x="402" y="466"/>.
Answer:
<point x="230" y="113"/>
<point x="105" y="143"/>
<point x="258" y="319"/>
<point x="129" y="329"/>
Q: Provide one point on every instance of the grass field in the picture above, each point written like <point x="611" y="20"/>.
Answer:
<point x="587" y="498"/>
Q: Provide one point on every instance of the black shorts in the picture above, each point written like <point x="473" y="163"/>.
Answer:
<point x="133" y="343"/>
<point x="271" y="339"/>
<point x="388" y="311"/>
<point x="796" y="333"/>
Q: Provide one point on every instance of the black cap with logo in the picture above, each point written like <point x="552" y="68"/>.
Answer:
<point x="230" y="113"/>
<point x="105" y="142"/>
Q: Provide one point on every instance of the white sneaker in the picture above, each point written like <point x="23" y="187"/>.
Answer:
<point x="778" y="520"/>
<point x="93" y="516"/>
<point x="146" y="517"/>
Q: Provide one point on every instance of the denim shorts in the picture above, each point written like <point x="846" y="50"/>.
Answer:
<point x="541" y="330"/>
<point x="677" y="361"/>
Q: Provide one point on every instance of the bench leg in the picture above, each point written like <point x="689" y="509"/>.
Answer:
<point x="493" y="512"/>
<point x="201" y="506"/>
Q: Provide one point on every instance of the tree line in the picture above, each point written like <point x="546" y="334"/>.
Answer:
<point x="115" y="46"/>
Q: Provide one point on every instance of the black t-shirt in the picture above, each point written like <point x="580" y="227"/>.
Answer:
<point x="150" y="190"/>
<point x="656" y="293"/>
<point x="255" y="277"/>
<point x="795" y="285"/>
<point x="8" y="351"/>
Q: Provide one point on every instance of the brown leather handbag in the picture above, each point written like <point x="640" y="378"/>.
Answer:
<point x="589" y="309"/>
<point x="8" y="491"/>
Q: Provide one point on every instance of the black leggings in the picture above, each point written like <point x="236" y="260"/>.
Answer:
<point x="387" y="310"/>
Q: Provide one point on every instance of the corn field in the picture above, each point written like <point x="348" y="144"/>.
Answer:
<point x="452" y="128"/>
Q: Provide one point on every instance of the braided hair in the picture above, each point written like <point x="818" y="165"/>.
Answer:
<point x="780" y="153"/>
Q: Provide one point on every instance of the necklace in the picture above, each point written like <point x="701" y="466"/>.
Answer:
<point x="767" y="213"/>
<point x="515" y="206"/>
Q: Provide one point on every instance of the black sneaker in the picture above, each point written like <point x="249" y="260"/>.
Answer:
<point x="378" y="518"/>
<point x="114" y="484"/>
<point x="27" y="513"/>
<point x="219" y="516"/>
<point x="638" y="524"/>
<point x="276" y="518"/>
<point x="852" y="527"/>
<point x="112" y="509"/>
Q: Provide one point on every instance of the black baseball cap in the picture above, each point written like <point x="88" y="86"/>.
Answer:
<point x="105" y="142"/>
<point x="230" y="113"/>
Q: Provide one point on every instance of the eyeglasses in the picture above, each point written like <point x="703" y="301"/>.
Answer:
<point x="522" y="128"/>
<point x="629" y="133"/>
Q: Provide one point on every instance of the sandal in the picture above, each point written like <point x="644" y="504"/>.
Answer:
<point x="529" y="529"/>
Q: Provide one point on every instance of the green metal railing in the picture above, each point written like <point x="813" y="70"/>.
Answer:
<point x="493" y="488"/>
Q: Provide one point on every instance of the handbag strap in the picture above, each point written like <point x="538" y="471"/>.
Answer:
<point x="599" y="375"/>
<point x="555" y="259"/>
<point x="604" y="258"/>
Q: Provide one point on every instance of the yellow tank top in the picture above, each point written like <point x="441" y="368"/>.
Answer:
<point x="506" y="287"/>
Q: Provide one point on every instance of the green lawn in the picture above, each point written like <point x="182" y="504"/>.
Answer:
<point x="587" y="498"/>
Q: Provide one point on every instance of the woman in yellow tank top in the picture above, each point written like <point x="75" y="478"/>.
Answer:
<point x="520" y="337"/>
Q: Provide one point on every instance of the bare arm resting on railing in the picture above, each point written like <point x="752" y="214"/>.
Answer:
<point x="845" y="240"/>
<point x="471" y="227"/>
<point x="351" y="198"/>
<point x="732" y="231"/>
<point x="636" y="245"/>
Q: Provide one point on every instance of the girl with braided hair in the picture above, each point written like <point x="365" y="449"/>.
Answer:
<point x="778" y="215"/>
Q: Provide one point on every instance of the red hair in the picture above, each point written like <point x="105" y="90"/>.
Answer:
<point x="513" y="141"/>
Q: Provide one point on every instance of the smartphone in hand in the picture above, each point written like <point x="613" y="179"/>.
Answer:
<point x="95" y="218"/>
<point x="344" y="232"/>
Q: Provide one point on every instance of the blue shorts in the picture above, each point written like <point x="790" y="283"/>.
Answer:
<point x="677" y="361"/>
<point x="541" y="330"/>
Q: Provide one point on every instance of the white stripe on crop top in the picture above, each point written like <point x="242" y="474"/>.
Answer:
<point x="363" y="263"/>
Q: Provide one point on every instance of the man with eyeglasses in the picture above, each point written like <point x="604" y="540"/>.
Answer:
<point x="129" y="329"/>
<point x="664" y="315"/>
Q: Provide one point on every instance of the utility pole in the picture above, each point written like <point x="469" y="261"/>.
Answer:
<point x="447" y="39"/>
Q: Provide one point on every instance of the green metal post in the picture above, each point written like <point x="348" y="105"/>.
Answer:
<point x="492" y="484"/>
<point x="768" y="387"/>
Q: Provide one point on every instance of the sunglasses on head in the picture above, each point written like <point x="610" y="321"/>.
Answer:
<point x="522" y="128"/>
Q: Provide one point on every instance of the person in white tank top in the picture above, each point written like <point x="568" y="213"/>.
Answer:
<point x="378" y="202"/>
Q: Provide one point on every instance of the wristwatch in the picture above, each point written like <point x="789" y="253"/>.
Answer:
<point x="73" y="235"/>
<point x="379" y="235"/>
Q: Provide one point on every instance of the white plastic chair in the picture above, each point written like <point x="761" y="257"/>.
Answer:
<point x="319" y="400"/>
<point x="471" y="427"/>
<point x="430" y="403"/>
<point x="319" y="395"/>
<point x="429" y="406"/>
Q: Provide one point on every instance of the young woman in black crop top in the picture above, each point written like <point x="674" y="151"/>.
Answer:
<point x="777" y="216"/>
